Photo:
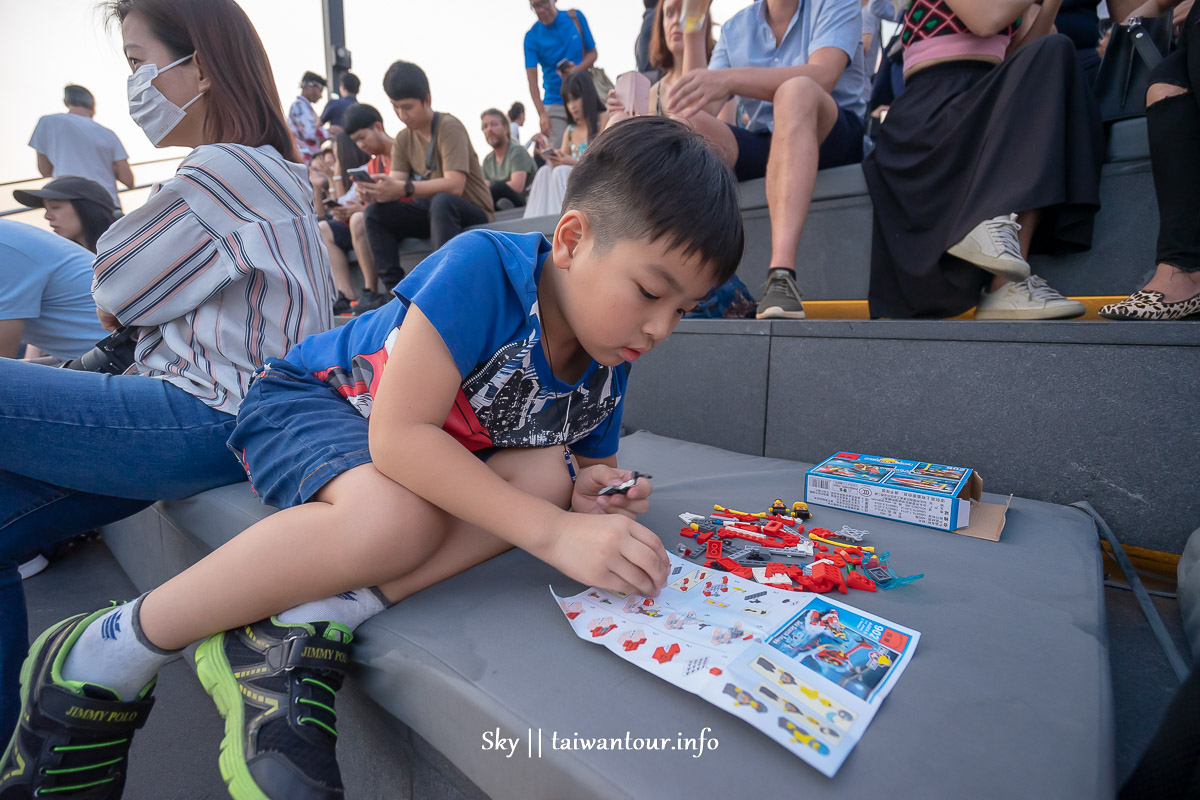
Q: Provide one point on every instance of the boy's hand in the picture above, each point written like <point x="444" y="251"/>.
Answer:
<point x="586" y="498"/>
<point x="610" y="551"/>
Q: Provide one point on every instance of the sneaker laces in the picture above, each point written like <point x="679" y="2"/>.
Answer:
<point x="781" y="282"/>
<point x="1037" y="289"/>
<point x="1003" y="231"/>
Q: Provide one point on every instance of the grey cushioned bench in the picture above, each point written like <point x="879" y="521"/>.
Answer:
<point x="1008" y="694"/>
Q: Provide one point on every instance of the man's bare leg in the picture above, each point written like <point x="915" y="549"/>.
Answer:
<point x="362" y="250"/>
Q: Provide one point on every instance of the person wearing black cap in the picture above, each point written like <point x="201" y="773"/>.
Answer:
<point x="302" y="117"/>
<point x="77" y="208"/>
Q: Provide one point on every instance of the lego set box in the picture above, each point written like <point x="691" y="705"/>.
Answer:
<point x="931" y="495"/>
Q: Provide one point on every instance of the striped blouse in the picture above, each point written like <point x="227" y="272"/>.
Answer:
<point x="222" y="268"/>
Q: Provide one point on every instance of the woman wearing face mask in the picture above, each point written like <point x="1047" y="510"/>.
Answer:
<point x="220" y="269"/>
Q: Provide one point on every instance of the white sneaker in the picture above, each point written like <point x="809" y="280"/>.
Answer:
<point x="1031" y="298"/>
<point x="33" y="566"/>
<point x="992" y="245"/>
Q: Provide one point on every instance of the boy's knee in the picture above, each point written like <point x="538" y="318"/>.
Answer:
<point x="541" y="472"/>
<point x="1161" y="91"/>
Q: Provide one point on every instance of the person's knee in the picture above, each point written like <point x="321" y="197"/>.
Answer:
<point x="441" y="202"/>
<point x="357" y="224"/>
<point x="799" y="95"/>
<point x="1161" y="91"/>
<point x="372" y="214"/>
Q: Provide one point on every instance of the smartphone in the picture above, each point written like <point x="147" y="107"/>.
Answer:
<point x="330" y="203"/>
<point x="633" y="92"/>
<point x="360" y="175"/>
<point x="563" y="65"/>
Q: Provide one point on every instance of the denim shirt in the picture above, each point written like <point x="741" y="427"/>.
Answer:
<point x="747" y="41"/>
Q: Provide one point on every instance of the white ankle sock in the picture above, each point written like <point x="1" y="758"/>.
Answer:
<point x="348" y="608"/>
<point x="114" y="653"/>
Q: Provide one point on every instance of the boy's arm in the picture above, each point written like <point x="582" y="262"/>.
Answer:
<point x="415" y="395"/>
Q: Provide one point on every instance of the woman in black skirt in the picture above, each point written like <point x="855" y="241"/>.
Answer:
<point x="1173" y="120"/>
<point x="994" y="148"/>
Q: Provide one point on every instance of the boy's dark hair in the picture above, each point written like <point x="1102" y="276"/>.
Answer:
<point x="515" y="111"/>
<point x="350" y="83"/>
<point x="495" y="112"/>
<point x="652" y="178"/>
<point x="359" y="116"/>
<point x="74" y="95"/>
<point x="405" y="80"/>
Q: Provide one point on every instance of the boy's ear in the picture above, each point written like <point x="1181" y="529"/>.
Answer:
<point x="568" y="234"/>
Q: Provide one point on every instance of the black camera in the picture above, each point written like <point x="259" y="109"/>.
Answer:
<point x="112" y="355"/>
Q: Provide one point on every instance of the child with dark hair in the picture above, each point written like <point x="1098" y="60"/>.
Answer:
<point x="586" y="117"/>
<point x="435" y="188"/>
<point x="487" y="430"/>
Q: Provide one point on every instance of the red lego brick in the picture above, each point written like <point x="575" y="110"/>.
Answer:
<point x="856" y="580"/>
<point x="713" y="548"/>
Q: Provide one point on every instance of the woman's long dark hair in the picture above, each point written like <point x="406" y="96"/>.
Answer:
<point x="94" y="220"/>
<point x="243" y="103"/>
<point x="579" y="84"/>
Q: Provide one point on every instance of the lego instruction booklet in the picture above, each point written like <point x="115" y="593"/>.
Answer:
<point x="806" y="670"/>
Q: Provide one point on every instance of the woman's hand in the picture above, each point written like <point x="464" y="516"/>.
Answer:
<point x="107" y="320"/>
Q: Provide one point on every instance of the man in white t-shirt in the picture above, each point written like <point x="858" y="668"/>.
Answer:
<point x="75" y="144"/>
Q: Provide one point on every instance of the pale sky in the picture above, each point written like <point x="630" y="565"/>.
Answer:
<point x="470" y="49"/>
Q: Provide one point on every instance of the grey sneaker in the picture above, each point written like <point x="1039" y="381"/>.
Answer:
<point x="781" y="297"/>
<point x="1031" y="298"/>
<point x="993" y="245"/>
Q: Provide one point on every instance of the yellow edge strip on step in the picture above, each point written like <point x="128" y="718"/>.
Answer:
<point x="857" y="309"/>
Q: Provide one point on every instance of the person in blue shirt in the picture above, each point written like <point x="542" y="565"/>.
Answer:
<point x="479" y="410"/>
<point x="45" y="293"/>
<point x="348" y="86"/>
<point x="557" y="38"/>
<point x="797" y="65"/>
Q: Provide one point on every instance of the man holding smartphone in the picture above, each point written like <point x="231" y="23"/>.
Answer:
<point x="433" y="165"/>
<point x="560" y="42"/>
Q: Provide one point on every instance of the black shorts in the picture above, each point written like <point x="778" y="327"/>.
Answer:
<point x="843" y="145"/>
<point x="341" y="235"/>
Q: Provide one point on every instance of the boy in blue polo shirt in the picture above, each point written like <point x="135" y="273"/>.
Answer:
<point x="477" y="411"/>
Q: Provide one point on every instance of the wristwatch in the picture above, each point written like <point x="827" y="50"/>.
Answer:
<point x="408" y="187"/>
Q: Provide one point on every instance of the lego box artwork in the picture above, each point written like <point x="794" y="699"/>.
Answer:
<point x="806" y="670"/>
<point x="931" y="495"/>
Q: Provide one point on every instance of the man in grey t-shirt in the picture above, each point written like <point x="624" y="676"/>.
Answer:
<point x="75" y="144"/>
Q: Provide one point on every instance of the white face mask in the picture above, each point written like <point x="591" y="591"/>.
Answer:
<point x="150" y="109"/>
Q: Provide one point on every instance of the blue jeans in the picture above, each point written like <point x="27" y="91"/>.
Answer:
<point x="79" y="450"/>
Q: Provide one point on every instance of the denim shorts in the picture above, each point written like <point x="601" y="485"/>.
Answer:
<point x="294" y="434"/>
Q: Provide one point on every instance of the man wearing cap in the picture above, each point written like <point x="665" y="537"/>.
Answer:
<point x="77" y="208"/>
<point x="302" y="118"/>
<point x="45" y="293"/>
<point x="75" y="144"/>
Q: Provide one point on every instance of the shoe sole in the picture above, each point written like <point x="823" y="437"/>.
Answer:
<point x="216" y="676"/>
<point x="775" y="312"/>
<point x="996" y="266"/>
<point x="1032" y="313"/>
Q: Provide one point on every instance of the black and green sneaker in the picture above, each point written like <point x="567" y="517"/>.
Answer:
<point x="73" y="738"/>
<point x="274" y="683"/>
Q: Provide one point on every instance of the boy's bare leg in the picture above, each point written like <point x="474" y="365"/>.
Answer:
<point x="466" y="545"/>
<point x="362" y="250"/>
<point x="361" y="529"/>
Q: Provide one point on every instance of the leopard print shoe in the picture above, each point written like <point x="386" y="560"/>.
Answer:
<point x="1150" y="306"/>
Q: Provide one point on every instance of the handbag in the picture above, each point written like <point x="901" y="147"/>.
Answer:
<point x="112" y="355"/>
<point x="600" y="78"/>
<point x="1133" y="51"/>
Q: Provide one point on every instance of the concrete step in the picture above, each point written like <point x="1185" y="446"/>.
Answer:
<point x="1055" y="411"/>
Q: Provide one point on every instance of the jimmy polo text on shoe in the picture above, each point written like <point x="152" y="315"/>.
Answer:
<point x="97" y="715"/>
